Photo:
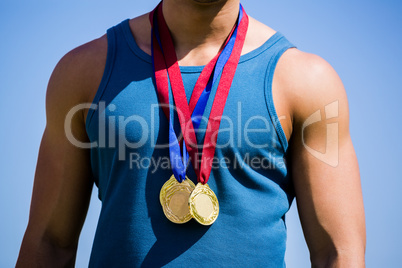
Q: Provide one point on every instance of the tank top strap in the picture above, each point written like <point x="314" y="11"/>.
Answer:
<point x="280" y="45"/>
<point x="110" y="60"/>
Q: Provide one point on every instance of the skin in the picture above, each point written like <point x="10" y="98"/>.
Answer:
<point x="329" y="199"/>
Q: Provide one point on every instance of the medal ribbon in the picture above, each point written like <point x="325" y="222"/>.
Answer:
<point x="226" y="60"/>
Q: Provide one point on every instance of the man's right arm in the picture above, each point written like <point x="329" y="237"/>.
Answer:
<point x="63" y="184"/>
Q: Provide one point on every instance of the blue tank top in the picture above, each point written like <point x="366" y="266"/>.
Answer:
<point x="130" y="163"/>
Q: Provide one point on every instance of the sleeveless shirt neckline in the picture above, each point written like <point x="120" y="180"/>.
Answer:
<point x="192" y="69"/>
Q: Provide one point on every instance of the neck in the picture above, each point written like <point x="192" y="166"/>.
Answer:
<point x="199" y="29"/>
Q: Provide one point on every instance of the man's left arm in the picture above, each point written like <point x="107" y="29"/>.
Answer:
<point x="323" y="164"/>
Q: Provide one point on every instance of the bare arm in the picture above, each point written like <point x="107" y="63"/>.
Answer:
<point x="63" y="183"/>
<point x="323" y="163"/>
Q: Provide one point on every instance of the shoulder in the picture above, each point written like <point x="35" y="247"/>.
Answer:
<point x="77" y="75"/>
<point x="303" y="82"/>
<point x="308" y="83"/>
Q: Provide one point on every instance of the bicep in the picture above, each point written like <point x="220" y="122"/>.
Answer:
<point x="62" y="190"/>
<point x="324" y="166"/>
<point x="63" y="184"/>
<point x="329" y="200"/>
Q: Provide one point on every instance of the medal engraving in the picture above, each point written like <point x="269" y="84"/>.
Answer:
<point x="203" y="203"/>
<point x="174" y="200"/>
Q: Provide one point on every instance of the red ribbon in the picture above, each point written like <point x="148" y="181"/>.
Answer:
<point x="166" y="59"/>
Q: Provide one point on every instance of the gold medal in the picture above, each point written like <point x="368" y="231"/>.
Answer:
<point x="174" y="199"/>
<point x="204" y="206"/>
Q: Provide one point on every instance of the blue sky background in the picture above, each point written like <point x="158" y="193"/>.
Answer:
<point x="361" y="39"/>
